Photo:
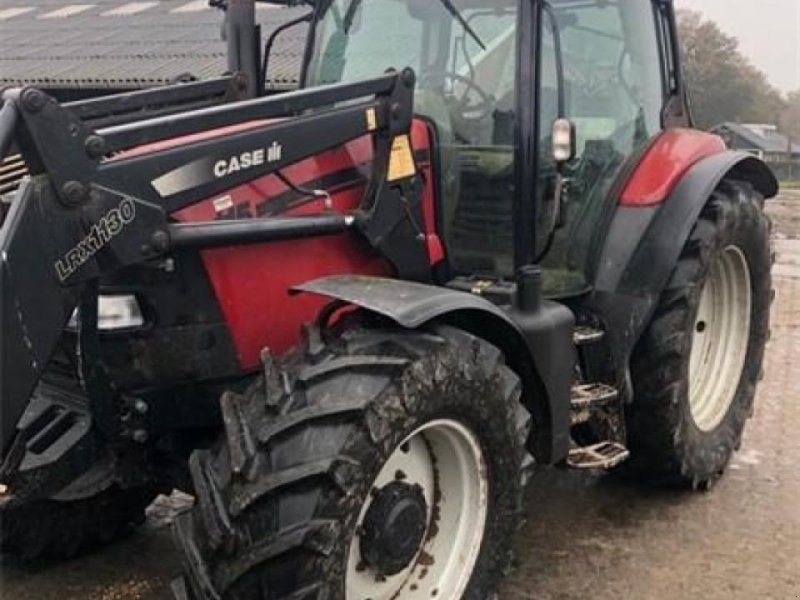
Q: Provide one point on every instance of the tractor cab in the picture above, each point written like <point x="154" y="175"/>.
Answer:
<point x="493" y="79"/>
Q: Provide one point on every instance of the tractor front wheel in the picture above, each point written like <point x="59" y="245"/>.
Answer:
<point x="52" y="529"/>
<point x="696" y="368"/>
<point x="384" y="464"/>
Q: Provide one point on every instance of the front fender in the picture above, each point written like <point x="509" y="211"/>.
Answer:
<point x="541" y="354"/>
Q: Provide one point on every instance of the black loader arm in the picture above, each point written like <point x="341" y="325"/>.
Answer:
<point x="50" y="245"/>
<point x="90" y="209"/>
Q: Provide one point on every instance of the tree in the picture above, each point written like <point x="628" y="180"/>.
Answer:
<point x="790" y="118"/>
<point x="723" y="85"/>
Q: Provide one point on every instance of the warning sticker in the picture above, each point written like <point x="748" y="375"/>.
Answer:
<point x="222" y="204"/>
<point x="401" y="163"/>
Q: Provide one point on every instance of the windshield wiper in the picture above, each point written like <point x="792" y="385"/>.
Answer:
<point x="448" y="4"/>
<point x="350" y="16"/>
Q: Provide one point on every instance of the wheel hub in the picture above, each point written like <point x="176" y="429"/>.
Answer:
<point x="420" y="529"/>
<point x="394" y="528"/>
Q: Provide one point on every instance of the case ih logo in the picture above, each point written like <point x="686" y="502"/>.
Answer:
<point x="106" y="229"/>
<point x="206" y="170"/>
<point x="247" y="160"/>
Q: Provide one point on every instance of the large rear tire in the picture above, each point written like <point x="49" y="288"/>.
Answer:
<point x="696" y="367"/>
<point x="384" y="464"/>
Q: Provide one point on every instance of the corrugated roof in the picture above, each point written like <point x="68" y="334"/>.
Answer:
<point x="128" y="44"/>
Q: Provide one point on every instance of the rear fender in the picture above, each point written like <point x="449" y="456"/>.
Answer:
<point x="644" y="243"/>
<point x="545" y="382"/>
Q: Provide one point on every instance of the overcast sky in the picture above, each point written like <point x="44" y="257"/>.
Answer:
<point x="768" y="31"/>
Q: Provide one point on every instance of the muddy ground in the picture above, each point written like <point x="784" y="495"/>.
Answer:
<point x="587" y="536"/>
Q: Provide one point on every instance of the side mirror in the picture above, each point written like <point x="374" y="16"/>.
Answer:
<point x="564" y="139"/>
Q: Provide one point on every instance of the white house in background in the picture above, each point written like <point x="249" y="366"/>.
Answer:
<point x="763" y="140"/>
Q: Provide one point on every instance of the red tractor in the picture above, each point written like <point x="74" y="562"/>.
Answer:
<point x="481" y="239"/>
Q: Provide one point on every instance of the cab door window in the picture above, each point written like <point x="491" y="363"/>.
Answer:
<point x="614" y="94"/>
<point x="466" y="86"/>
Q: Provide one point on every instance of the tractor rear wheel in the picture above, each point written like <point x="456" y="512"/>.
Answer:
<point x="384" y="464"/>
<point x="696" y="368"/>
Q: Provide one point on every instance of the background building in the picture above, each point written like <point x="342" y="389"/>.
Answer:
<point x="92" y="47"/>
<point x="766" y="142"/>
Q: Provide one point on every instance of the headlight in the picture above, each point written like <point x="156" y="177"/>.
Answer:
<point x="114" y="313"/>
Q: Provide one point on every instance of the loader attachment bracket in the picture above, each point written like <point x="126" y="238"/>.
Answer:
<point x="61" y="231"/>
<point x="47" y="254"/>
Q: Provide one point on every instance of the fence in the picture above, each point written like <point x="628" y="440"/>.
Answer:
<point x="786" y="170"/>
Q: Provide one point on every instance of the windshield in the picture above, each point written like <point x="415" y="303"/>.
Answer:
<point x="466" y="56"/>
<point x="464" y="53"/>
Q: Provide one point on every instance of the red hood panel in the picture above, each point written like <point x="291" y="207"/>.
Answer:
<point x="252" y="282"/>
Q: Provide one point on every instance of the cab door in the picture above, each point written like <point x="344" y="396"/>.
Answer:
<point x="601" y="66"/>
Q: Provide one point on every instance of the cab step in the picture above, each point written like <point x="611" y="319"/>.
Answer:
<point x="605" y="455"/>
<point x="583" y="335"/>
<point x="585" y="397"/>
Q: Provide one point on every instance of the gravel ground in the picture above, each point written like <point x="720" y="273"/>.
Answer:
<point x="587" y="536"/>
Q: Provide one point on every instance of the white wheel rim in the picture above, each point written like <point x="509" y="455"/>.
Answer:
<point x="720" y="340"/>
<point x="445" y="459"/>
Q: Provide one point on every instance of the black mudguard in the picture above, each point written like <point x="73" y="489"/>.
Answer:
<point x="643" y="245"/>
<point x="538" y="345"/>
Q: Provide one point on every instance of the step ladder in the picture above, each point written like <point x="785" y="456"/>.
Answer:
<point x="605" y="455"/>
<point x="587" y="398"/>
<point x="583" y="335"/>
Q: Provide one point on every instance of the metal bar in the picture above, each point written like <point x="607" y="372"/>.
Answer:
<point x="255" y="231"/>
<point x="243" y="49"/>
<point x="20" y="170"/>
<point x="161" y="128"/>
<point x="8" y="125"/>
<point x="10" y="166"/>
<point x="274" y="36"/>
<point x="177" y="177"/>
<point x="526" y="135"/>
<point x="115" y="104"/>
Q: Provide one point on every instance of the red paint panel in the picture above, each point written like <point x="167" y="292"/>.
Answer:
<point x="665" y="163"/>
<point x="421" y="136"/>
<point x="252" y="282"/>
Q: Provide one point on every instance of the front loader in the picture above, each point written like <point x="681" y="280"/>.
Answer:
<point x="352" y="320"/>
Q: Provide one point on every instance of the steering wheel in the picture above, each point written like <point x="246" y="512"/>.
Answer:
<point x="482" y="108"/>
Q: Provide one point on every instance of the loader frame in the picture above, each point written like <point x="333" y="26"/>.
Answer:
<point x="93" y="209"/>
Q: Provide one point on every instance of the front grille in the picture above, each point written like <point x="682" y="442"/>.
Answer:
<point x="12" y="172"/>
